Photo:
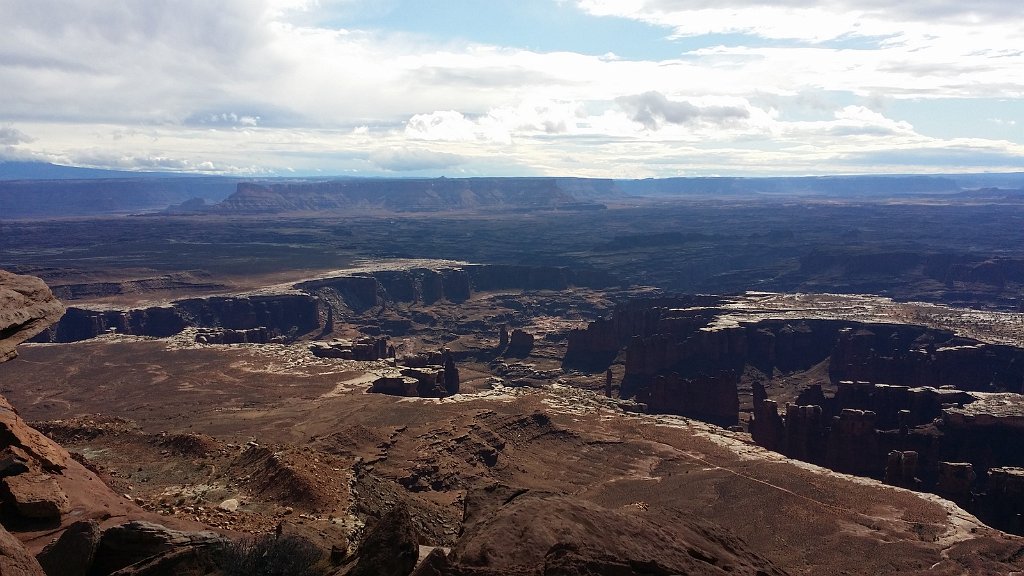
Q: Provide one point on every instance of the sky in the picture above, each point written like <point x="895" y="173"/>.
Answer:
<point x="592" y="88"/>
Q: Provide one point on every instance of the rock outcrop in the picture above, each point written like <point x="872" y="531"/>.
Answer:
<point x="14" y="559"/>
<point x="451" y="375"/>
<point x="894" y="413"/>
<point x="709" y="397"/>
<point x="124" y="545"/>
<point x="942" y="440"/>
<point x="511" y="531"/>
<point x="313" y="304"/>
<point x="27" y="307"/>
<point x="669" y="334"/>
<point x="365" y="348"/>
<point x="279" y="314"/>
<point x="41" y="486"/>
<point x="72" y="554"/>
<point x="390" y="548"/>
<point x="228" y="336"/>
<point x="420" y="379"/>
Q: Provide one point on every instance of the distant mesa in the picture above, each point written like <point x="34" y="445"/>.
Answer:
<point x="419" y="195"/>
<point x="39" y="190"/>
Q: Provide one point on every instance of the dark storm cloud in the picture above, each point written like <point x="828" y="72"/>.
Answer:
<point x="653" y="110"/>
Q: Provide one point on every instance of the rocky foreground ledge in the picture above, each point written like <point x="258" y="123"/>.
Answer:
<point x="45" y="492"/>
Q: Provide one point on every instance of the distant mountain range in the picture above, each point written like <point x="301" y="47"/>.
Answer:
<point x="47" y="171"/>
<point x="39" y="190"/>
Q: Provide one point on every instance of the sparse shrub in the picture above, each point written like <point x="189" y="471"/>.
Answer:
<point x="270" y="555"/>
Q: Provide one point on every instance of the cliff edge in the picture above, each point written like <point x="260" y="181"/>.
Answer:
<point x="27" y="307"/>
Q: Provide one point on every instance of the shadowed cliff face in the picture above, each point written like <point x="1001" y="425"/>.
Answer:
<point x="27" y="307"/>
<point x="299" y="309"/>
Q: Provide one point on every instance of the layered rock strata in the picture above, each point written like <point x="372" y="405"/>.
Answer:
<point x="894" y="413"/>
<point x="314" y="304"/>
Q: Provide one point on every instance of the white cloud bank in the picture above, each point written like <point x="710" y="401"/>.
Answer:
<point x="256" y="86"/>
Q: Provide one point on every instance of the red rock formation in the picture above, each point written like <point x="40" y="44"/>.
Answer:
<point x="281" y="313"/>
<point x="15" y="560"/>
<point x="805" y="433"/>
<point x="710" y="398"/>
<point x="43" y="489"/>
<point x="853" y="443"/>
<point x="955" y="480"/>
<point x="901" y="469"/>
<point x="26" y="308"/>
<point x="766" y="427"/>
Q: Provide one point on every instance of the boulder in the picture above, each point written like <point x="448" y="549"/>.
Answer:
<point x="188" y="561"/>
<point x="390" y="547"/>
<point x="124" y="545"/>
<point x="435" y="563"/>
<point x="35" y="496"/>
<point x="14" y="559"/>
<point x="73" y="552"/>
<point x="13" y="461"/>
<point x="27" y="441"/>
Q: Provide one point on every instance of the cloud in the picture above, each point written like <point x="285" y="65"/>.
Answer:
<point x="958" y="154"/>
<point x="10" y="136"/>
<point x="225" y="119"/>
<point x="273" y="85"/>
<point x="411" y="160"/>
<point x="443" y="125"/>
<point x="500" y="125"/>
<point x="812" y="21"/>
<point x="653" y="110"/>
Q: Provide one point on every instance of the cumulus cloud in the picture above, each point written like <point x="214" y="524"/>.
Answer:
<point x="653" y="109"/>
<point x="10" y="136"/>
<point x="442" y="125"/>
<point x="227" y="119"/>
<point x="501" y="124"/>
